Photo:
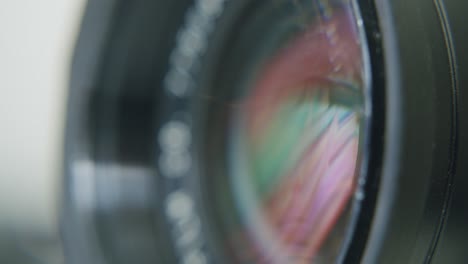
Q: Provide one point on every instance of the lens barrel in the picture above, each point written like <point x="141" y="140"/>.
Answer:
<point x="197" y="132"/>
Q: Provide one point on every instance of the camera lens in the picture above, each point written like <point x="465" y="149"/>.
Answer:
<point x="252" y="150"/>
<point x="280" y="115"/>
<point x="283" y="131"/>
<point x="292" y="130"/>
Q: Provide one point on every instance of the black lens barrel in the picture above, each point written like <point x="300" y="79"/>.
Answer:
<point x="415" y="208"/>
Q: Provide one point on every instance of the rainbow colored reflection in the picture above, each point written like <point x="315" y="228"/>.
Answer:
<point x="299" y="142"/>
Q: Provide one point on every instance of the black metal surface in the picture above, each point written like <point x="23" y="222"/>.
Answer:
<point x="453" y="240"/>
<point x="121" y="56"/>
<point x="373" y="166"/>
<point x="421" y="134"/>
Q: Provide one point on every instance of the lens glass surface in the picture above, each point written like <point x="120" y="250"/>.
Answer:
<point x="296" y="136"/>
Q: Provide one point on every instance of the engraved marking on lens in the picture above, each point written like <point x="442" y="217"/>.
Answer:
<point x="195" y="257"/>
<point x="175" y="165"/>
<point x="179" y="206"/>
<point x="189" y="233"/>
<point x="191" y="44"/>
<point x="175" y="140"/>
<point x="174" y="136"/>
<point x="186" y="227"/>
<point x="178" y="80"/>
<point x="210" y="7"/>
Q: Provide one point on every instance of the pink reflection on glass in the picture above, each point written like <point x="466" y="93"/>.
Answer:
<point x="303" y="146"/>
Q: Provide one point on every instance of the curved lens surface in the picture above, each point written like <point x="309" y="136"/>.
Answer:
<point x="295" y="149"/>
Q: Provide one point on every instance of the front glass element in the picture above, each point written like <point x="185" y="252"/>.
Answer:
<point x="295" y="140"/>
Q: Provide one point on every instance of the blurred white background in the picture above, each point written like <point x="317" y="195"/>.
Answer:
<point x="36" y="43"/>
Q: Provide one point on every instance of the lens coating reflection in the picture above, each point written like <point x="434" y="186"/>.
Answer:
<point x="295" y="149"/>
